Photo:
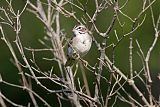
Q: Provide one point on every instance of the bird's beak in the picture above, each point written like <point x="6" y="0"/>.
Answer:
<point x="73" y="30"/>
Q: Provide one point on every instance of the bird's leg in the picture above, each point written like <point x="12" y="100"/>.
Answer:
<point x="76" y="55"/>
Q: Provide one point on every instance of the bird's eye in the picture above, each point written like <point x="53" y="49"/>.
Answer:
<point x="79" y="27"/>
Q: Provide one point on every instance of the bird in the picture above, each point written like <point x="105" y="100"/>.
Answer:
<point x="79" y="44"/>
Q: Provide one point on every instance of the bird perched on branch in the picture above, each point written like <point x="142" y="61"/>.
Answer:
<point x="79" y="44"/>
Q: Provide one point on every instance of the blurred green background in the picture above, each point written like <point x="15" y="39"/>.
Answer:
<point x="33" y="30"/>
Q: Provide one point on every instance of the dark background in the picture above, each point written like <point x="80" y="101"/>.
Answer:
<point x="33" y="30"/>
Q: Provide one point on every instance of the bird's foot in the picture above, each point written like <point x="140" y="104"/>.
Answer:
<point x="76" y="56"/>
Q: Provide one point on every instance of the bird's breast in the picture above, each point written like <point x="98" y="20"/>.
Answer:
<point x="82" y="44"/>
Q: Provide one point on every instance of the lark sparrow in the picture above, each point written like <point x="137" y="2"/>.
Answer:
<point x="80" y="43"/>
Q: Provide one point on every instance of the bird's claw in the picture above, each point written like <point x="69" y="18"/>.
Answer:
<point x="76" y="56"/>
